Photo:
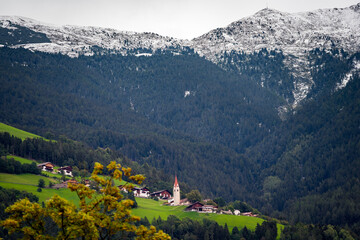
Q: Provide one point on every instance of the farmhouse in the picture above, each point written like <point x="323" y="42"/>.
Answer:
<point x="199" y="207"/>
<point x="66" y="170"/>
<point x="227" y="212"/>
<point x="163" y="194"/>
<point x="72" y="181"/>
<point x="141" y="192"/>
<point x="64" y="184"/>
<point x="60" y="185"/>
<point x="209" y="208"/>
<point x="47" y="166"/>
<point x="249" y="214"/>
<point x="195" y="207"/>
<point x="185" y="202"/>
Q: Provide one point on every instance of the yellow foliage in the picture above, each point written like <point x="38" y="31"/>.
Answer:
<point x="100" y="215"/>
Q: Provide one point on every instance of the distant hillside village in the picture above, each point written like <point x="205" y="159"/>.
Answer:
<point x="176" y="200"/>
<point x="144" y="192"/>
<point x="49" y="167"/>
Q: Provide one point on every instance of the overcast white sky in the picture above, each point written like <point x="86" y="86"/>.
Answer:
<point x="184" y="19"/>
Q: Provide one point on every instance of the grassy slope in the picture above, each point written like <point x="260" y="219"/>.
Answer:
<point x="17" y="132"/>
<point x="153" y="209"/>
<point x="45" y="194"/>
<point x="20" y="159"/>
<point x="146" y="207"/>
<point x="26" y="179"/>
<point x="28" y="182"/>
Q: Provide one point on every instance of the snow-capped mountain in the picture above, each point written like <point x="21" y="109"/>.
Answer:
<point x="75" y="40"/>
<point x="294" y="34"/>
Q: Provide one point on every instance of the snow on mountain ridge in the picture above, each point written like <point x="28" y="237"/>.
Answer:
<point x="72" y="40"/>
<point x="295" y="34"/>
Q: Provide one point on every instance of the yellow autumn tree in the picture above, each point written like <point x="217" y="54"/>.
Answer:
<point x="101" y="215"/>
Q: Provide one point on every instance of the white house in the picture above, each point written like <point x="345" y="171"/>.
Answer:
<point x="66" y="170"/>
<point x="141" y="192"/>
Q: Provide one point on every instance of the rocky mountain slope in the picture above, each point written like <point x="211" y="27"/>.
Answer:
<point x="292" y="34"/>
<point x="74" y="40"/>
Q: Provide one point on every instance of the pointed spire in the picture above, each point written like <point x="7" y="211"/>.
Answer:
<point x="176" y="184"/>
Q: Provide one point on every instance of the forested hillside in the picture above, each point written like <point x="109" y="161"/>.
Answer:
<point x="218" y="130"/>
<point x="312" y="173"/>
<point x="140" y="107"/>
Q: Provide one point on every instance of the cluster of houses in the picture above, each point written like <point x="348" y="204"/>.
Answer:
<point x="49" y="167"/>
<point x="144" y="192"/>
<point x="203" y="208"/>
<point x="72" y="181"/>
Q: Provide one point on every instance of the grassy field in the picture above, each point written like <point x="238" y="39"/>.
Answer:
<point x="26" y="179"/>
<point x="154" y="209"/>
<point x="20" y="159"/>
<point x="45" y="194"/>
<point x="17" y="132"/>
<point x="146" y="207"/>
<point x="52" y="175"/>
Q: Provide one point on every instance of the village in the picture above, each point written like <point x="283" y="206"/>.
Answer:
<point x="144" y="192"/>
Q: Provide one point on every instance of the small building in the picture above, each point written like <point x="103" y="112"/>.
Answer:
<point x="47" y="166"/>
<point x="60" y="185"/>
<point x="72" y="181"/>
<point x="249" y="214"/>
<point x="209" y="208"/>
<point x="66" y="170"/>
<point x="195" y="207"/>
<point x="237" y="212"/>
<point x="86" y="182"/>
<point x="185" y="202"/>
<point x="163" y="194"/>
<point x="228" y="212"/>
<point x="199" y="207"/>
<point x="141" y="192"/>
<point x="122" y="188"/>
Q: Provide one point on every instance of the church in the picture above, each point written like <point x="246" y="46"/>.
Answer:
<point x="176" y="200"/>
<point x="176" y="192"/>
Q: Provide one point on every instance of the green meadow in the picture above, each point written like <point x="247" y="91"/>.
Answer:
<point x="17" y="132"/>
<point x="29" y="182"/>
<point x="153" y="209"/>
<point x="20" y="159"/>
<point x="26" y="179"/>
<point x="146" y="207"/>
<point x="45" y="194"/>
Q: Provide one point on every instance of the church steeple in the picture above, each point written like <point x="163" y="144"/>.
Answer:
<point x="176" y="192"/>
<point x="176" y="184"/>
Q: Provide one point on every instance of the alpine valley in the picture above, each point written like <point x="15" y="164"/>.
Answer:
<point x="265" y="110"/>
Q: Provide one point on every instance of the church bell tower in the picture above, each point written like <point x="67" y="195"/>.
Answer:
<point x="176" y="192"/>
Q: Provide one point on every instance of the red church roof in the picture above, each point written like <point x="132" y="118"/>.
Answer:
<point x="176" y="184"/>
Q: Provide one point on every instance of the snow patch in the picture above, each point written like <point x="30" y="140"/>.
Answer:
<point x="300" y="92"/>
<point x="348" y="76"/>
<point x="143" y="54"/>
